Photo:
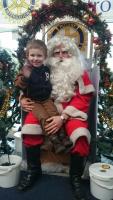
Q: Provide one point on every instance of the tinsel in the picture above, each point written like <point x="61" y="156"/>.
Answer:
<point x="6" y="103"/>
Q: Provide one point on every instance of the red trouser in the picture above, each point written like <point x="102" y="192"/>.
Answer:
<point x="81" y="147"/>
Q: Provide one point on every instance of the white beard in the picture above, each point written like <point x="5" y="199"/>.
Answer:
<point x="63" y="76"/>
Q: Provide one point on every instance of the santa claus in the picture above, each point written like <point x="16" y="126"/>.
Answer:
<point x="71" y="87"/>
<point x="72" y="92"/>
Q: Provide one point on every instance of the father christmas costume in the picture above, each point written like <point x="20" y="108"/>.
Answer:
<point x="72" y="92"/>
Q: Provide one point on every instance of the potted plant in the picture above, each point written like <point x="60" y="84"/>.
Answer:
<point x="9" y="115"/>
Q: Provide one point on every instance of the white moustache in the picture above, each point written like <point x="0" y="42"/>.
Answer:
<point x="53" y="61"/>
<point x="65" y="71"/>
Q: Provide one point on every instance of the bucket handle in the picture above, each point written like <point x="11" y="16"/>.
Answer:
<point x="106" y="187"/>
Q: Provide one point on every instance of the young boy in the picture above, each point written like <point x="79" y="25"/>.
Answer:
<point x="34" y="81"/>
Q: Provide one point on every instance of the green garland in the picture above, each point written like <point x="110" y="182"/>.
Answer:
<point x="85" y="12"/>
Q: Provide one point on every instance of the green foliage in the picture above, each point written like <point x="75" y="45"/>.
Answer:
<point x="9" y="108"/>
<point x="105" y="111"/>
<point x="105" y="146"/>
<point x="63" y="1"/>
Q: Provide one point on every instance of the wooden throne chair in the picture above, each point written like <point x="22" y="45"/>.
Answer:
<point x="58" y="163"/>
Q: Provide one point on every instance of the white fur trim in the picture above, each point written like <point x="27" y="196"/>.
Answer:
<point x="32" y="129"/>
<point x="74" y="112"/>
<point x="59" y="107"/>
<point x="54" y="167"/>
<point x="85" y="89"/>
<point x="78" y="133"/>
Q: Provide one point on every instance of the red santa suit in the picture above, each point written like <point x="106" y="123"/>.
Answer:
<point x="77" y="125"/>
<point x="77" y="108"/>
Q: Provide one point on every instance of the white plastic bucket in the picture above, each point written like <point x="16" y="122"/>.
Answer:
<point x="9" y="175"/>
<point x="101" y="181"/>
<point x="18" y="143"/>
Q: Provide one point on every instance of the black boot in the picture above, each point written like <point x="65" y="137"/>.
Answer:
<point x="33" y="168"/>
<point x="76" y="170"/>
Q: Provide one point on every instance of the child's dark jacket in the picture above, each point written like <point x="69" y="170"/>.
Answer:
<point x="37" y="86"/>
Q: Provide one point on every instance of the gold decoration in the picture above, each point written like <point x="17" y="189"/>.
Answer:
<point x="18" y="12"/>
<point x="85" y="17"/>
<point x="6" y="103"/>
<point x="97" y="47"/>
<point x="74" y="30"/>
<point x="108" y="121"/>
